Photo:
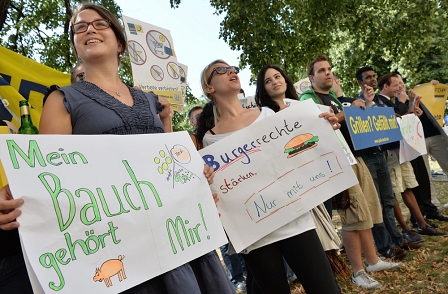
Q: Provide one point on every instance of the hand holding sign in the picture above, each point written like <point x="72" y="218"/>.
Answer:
<point x="275" y="170"/>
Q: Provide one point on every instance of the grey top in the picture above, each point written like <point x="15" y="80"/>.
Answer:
<point x="93" y="111"/>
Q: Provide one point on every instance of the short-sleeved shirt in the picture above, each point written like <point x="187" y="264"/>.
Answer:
<point x="93" y="111"/>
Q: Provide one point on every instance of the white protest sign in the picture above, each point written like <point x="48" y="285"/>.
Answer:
<point x="302" y="85"/>
<point x="275" y="170"/>
<point x="324" y="108"/>
<point x="183" y="72"/>
<point x="153" y="60"/>
<point x="248" y="101"/>
<point x="105" y="213"/>
<point x="413" y="144"/>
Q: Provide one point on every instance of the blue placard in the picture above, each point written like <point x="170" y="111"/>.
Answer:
<point x="372" y="127"/>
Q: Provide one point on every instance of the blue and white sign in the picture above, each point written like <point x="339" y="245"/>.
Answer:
<point x="372" y="127"/>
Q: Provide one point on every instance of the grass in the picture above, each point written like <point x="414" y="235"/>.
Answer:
<point x="424" y="271"/>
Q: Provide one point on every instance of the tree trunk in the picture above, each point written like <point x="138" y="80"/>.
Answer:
<point x="4" y="5"/>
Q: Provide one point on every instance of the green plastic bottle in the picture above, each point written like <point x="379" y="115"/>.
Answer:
<point x="26" y="126"/>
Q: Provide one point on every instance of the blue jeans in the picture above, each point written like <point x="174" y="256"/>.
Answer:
<point x="289" y="273"/>
<point x="235" y="265"/>
<point x="381" y="177"/>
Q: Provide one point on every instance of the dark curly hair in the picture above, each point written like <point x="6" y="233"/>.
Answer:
<point x="261" y="95"/>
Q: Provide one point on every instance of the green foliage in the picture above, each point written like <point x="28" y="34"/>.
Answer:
<point x="40" y="30"/>
<point x="181" y="121"/>
<point x="407" y="36"/>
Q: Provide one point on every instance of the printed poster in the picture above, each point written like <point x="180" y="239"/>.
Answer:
<point x="434" y="97"/>
<point x="302" y="86"/>
<point x="183" y="72"/>
<point x="105" y="213"/>
<point x="372" y="126"/>
<point x="153" y="60"/>
<point x="275" y="170"/>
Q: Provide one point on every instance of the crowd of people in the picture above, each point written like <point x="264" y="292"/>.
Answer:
<point x="98" y="102"/>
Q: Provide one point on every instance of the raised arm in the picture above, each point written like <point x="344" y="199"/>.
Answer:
<point x="166" y="115"/>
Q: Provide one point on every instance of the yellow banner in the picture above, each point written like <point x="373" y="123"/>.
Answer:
<point x="23" y="78"/>
<point x="434" y="97"/>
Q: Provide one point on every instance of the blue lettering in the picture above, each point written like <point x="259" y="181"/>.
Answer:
<point x="209" y="160"/>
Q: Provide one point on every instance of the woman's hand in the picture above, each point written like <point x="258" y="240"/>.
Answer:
<point x="209" y="173"/>
<point x="166" y="112"/>
<point x="9" y="209"/>
<point x="331" y="117"/>
<point x="216" y="198"/>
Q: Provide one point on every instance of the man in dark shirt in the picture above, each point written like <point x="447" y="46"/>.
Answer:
<point x="357" y="235"/>
<point x="423" y="191"/>
<point x="389" y="88"/>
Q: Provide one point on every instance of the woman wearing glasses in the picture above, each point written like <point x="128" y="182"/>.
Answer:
<point x="102" y="104"/>
<point x="297" y="241"/>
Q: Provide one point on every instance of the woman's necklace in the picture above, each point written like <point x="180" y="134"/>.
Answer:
<point x="116" y="92"/>
<point x="112" y="91"/>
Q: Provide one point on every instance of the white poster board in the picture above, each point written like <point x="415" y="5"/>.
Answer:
<point x="248" y="101"/>
<point x="104" y="213"/>
<point x="262" y="187"/>
<point x="183" y="72"/>
<point x="302" y="86"/>
<point x="413" y="144"/>
<point x="153" y="60"/>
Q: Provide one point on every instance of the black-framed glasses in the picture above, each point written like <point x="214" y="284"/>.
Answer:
<point x="222" y="70"/>
<point x="99" y="24"/>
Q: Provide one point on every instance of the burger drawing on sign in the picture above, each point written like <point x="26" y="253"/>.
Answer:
<point x="300" y="143"/>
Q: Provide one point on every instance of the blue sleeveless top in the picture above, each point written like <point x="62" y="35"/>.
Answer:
<point x="93" y="111"/>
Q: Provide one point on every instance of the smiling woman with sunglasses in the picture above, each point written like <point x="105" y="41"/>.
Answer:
<point x="102" y="104"/>
<point x="296" y="241"/>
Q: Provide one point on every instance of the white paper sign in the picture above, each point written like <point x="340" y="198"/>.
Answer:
<point x="153" y="60"/>
<point x="261" y="186"/>
<point x="413" y="144"/>
<point x="248" y="102"/>
<point x="348" y="152"/>
<point x="302" y="85"/>
<point x="183" y="72"/>
<point x="105" y="213"/>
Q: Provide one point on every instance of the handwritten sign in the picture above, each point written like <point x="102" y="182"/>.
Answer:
<point x="248" y="102"/>
<point x="105" y="213"/>
<point x="275" y="170"/>
<point x="372" y="127"/>
<point x="413" y="144"/>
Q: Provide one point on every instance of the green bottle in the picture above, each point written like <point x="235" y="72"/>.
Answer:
<point x="26" y="126"/>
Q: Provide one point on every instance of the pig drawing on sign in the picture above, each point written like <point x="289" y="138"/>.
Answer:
<point x="110" y="268"/>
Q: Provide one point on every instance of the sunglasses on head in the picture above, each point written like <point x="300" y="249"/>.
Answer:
<point x="222" y="70"/>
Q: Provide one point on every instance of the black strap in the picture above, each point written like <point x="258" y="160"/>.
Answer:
<point x="213" y="133"/>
